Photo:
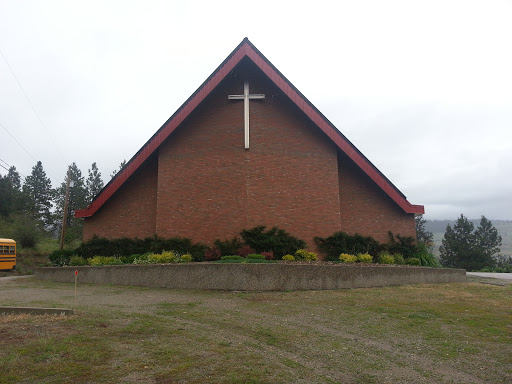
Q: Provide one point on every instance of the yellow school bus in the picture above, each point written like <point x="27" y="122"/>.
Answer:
<point x="7" y="254"/>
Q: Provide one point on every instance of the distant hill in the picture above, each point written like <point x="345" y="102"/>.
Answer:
<point x="504" y="227"/>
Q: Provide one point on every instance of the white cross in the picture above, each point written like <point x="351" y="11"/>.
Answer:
<point x="246" y="97"/>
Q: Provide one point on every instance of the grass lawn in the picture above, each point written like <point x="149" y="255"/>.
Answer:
<point x="446" y="333"/>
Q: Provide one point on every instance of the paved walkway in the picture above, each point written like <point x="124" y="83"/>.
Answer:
<point x="504" y="276"/>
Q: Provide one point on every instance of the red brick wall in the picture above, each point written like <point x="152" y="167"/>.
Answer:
<point x="211" y="187"/>
<point x="131" y="211"/>
<point x="204" y="185"/>
<point x="366" y="209"/>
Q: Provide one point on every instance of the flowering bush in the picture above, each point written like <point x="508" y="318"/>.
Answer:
<point x="268" y="255"/>
<point x="186" y="258"/>
<point x="303" y="254"/>
<point x="346" y="258"/>
<point x="289" y="258"/>
<point x="364" y="258"/>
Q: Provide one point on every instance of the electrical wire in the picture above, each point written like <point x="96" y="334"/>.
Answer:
<point x="6" y="163"/>
<point x="17" y="142"/>
<point x="32" y="106"/>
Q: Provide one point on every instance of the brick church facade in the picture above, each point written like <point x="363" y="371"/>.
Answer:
<point x="195" y="177"/>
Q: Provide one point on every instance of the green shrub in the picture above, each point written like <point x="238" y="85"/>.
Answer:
<point x="412" y="261"/>
<point x="128" y="259"/>
<point x="78" y="261"/>
<point x="275" y="239"/>
<point x="364" y="258"/>
<point x="341" y="242"/>
<point x="399" y="259"/>
<point x="142" y="259"/>
<point x="385" y="259"/>
<point x="402" y="244"/>
<point x="346" y="258"/>
<point x="426" y="258"/>
<point x="127" y="247"/>
<point x="60" y="257"/>
<point x="186" y="258"/>
<point x="229" y="246"/>
<point x="255" y="256"/>
<point x="303" y="254"/>
<point x="288" y="258"/>
<point x="104" y="260"/>
<point x="164" y="258"/>
<point x="231" y="257"/>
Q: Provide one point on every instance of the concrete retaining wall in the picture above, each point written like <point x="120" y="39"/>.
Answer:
<point x="253" y="277"/>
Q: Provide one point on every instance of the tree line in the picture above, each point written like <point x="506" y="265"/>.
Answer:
<point x="31" y="208"/>
<point x="465" y="247"/>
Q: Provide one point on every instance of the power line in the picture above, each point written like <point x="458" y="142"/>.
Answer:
<point x="4" y="168"/>
<point x="5" y="162"/>
<point x="22" y="147"/>
<point x="32" y="106"/>
<point x="17" y="142"/>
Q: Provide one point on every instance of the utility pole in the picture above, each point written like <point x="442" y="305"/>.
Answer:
<point x="65" y="216"/>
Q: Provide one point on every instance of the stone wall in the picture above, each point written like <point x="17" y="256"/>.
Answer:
<point x="253" y="277"/>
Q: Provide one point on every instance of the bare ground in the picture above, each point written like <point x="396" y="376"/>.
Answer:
<point x="381" y="335"/>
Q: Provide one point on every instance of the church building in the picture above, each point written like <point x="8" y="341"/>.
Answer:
<point x="247" y="149"/>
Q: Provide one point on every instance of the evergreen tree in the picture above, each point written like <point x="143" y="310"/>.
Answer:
<point x="422" y="235"/>
<point x="39" y="193"/>
<point x="123" y="163"/>
<point x="462" y="247"/>
<point x="488" y="239"/>
<point x="14" y="178"/>
<point x="93" y="183"/>
<point x="77" y="200"/>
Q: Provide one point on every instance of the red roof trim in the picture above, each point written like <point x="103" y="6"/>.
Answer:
<point x="247" y="49"/>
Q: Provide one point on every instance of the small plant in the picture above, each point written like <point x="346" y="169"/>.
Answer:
<point x="212" y="254"/>
<point x="255" y="256"/>
<point x="364" y="258"/>
<point x="303" y="254"/>
<point x="77" y="261"/>
<point x="413" y="261"/>
<point x="164" y="258"/>
<point x="186" y="258"/>
<point x="231" y="257"/>
<point x="346" y="258"/>
<point x="60" y="258"/>
<point x="229" y="246"/>
<point x="385" y="259"/>
<point x="244" y="250"/>
<point x="268" y="255"/>
<point x="104" y="260"/>
<point x="399" y="259"/>
<point x="288" y="258"/>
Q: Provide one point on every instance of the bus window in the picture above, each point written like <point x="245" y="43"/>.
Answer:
<point x="7" y="254"/>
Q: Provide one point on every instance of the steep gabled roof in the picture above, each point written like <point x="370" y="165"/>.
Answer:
<point x="247" y="49"/>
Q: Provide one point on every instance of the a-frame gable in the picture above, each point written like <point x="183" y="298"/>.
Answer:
<point x="247" y="49"/>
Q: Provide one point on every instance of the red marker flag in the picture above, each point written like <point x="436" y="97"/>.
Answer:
<point x="76" y="272"/>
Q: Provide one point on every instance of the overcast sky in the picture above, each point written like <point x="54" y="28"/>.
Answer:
<point x="422" y="88"/>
